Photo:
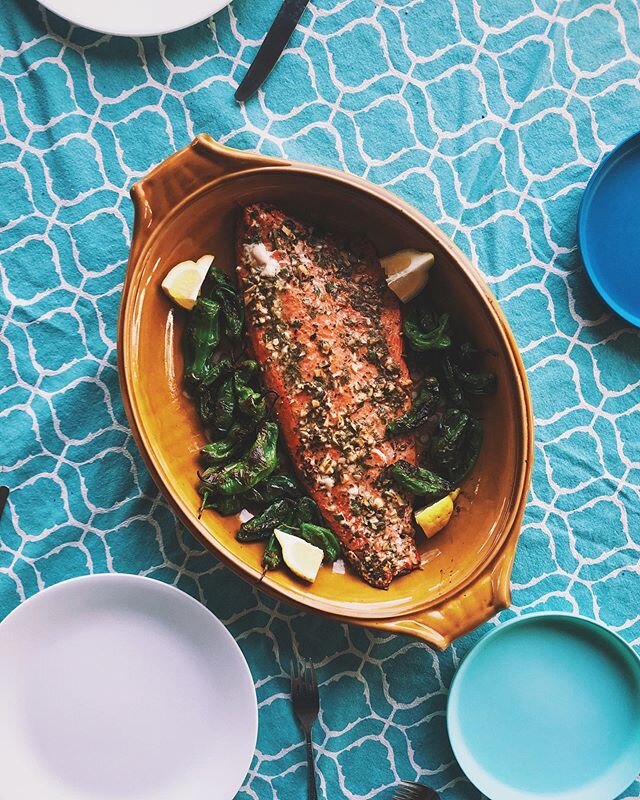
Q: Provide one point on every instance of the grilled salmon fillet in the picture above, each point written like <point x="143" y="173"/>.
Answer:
<point x="327" y="333"/>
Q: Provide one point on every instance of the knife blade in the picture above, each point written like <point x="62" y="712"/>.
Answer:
<point x="4" y="493"/>
<point x="271" y="48"/>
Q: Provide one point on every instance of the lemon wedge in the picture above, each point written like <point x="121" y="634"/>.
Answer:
<point x="183" y="282"/>
<point x="433" y="518"/>
<point x="407" y="272"/>
<point x="302" y="558"/>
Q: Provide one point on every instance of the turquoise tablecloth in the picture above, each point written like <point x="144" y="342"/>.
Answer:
<point x="489" y="117"/>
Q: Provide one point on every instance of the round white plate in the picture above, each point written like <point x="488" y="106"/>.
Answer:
<point x="115" y="687"/>
<point x="135" y="17"/>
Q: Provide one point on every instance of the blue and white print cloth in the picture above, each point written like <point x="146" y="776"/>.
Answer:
<point x="489" y="117"/>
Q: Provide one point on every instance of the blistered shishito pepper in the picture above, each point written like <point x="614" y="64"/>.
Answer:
<point x="247" y="370"/>
<point x="475" y="383"/>
<point x="225" y="506"/>
<point x="225" y="407"/>
<point x="308" y="511"/>
<point x="262" y="525"/>
<point x="424" y="406"/>
<point x="207" y="391"/>
<point x="427" y="331"/>
<point x="452" y="386"/>
<point x="472" y="446"/>
<point x="257" y="464"/>
<point x="272" y="556"/>
<point x="448" y="445"/>
<point x="202" y="336"/>
<point x="218" y="370"/>
<point x="419" y="481"/>
<point x="250" y="402"/>
<point x="224" y="449"/>
<point x="323" y="538"/>
<point x="275" y="487"/>
<point x="206" y="400"/>
<point x="219" y="286"/>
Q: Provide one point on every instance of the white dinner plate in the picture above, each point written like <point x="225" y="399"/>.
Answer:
<point x="116" y="687"/>
<point x="135" y="17"/>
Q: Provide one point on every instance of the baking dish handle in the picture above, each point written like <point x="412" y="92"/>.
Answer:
<point x="488" y="594"/>
<point x="201" y="162"/>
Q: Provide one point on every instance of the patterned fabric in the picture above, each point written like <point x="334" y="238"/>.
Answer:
<point x="489" y="117"/>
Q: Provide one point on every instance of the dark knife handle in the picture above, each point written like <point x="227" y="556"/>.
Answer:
<point x="4" y="493"/>
<point x="271" y="48"/>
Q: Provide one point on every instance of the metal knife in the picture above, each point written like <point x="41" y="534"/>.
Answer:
<point x="4" y="493"/>
<point x="271" y="48"/>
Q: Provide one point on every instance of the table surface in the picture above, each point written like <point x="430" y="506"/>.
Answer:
<point x="489" y="117"/>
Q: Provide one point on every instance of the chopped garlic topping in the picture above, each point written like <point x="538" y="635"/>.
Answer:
<point x="270" y="265"/>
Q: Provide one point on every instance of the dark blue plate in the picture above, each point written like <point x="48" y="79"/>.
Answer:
<point x="609" y="229"/>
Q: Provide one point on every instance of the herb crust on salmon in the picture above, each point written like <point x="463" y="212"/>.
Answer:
<point x="328" y="335"/>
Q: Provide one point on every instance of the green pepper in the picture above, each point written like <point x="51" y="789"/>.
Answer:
<point x="272" y="556"/>
<point x="308" y="511"/>
<point x="473" y="445"/>
<point x="219" y="286"/>
<point x="250" y="403"/>
<point x="419" y="481"/>
<point x="424" y="406"/>
<point x="207" y="391"/>
<point x="323" y="538"/>
<point x="275" y="487"/>
<point x="447" y="446"/>
<point x="452" y="387"/>
<point x="233" y="314"/>
<point x="291" y="529"/>
<point x="475" y="383"/>
<point x="219" y="452"/>
<point x="262" y="525"/>
<point x="247" y="370"/>
<point x="224" y="449"/>
<point x="257" y="464"/>
<point x="218" y="370"/>
<point x="224" y="408"/>
<point x="206" y="401"/>
<point x="226" y="506"/>
<point x="427" y="331"/>
<point x="202" y="336"/>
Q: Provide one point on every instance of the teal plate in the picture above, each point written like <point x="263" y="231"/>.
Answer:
<point x="548" y="706"/>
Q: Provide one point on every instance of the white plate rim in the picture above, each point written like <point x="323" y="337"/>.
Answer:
<point x="170" y="591"/>
<point x="83" y="18"/>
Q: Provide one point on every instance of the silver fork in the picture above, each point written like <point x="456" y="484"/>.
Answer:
<point x="306" y="704"/>
<point x="408" y="790"/>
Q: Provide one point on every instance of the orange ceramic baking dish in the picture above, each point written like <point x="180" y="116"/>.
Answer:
<point x="187" y="206"/>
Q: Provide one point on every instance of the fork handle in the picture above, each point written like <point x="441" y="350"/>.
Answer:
<point x="312" y="792"/>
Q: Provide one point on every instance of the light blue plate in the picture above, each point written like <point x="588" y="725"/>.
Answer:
<point x="548" y="706"/>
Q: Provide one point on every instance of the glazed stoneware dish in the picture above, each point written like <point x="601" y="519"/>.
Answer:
<point x="188" y="206"/>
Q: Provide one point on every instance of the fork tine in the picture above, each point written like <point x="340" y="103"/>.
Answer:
<point x="308" y="676"/>
<point x="311" y="685"/>
<point x="304" y="675"/>
<point x="313" y="682"/>
<point x="409" y="790"/>
<point x="295" y="676"/>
